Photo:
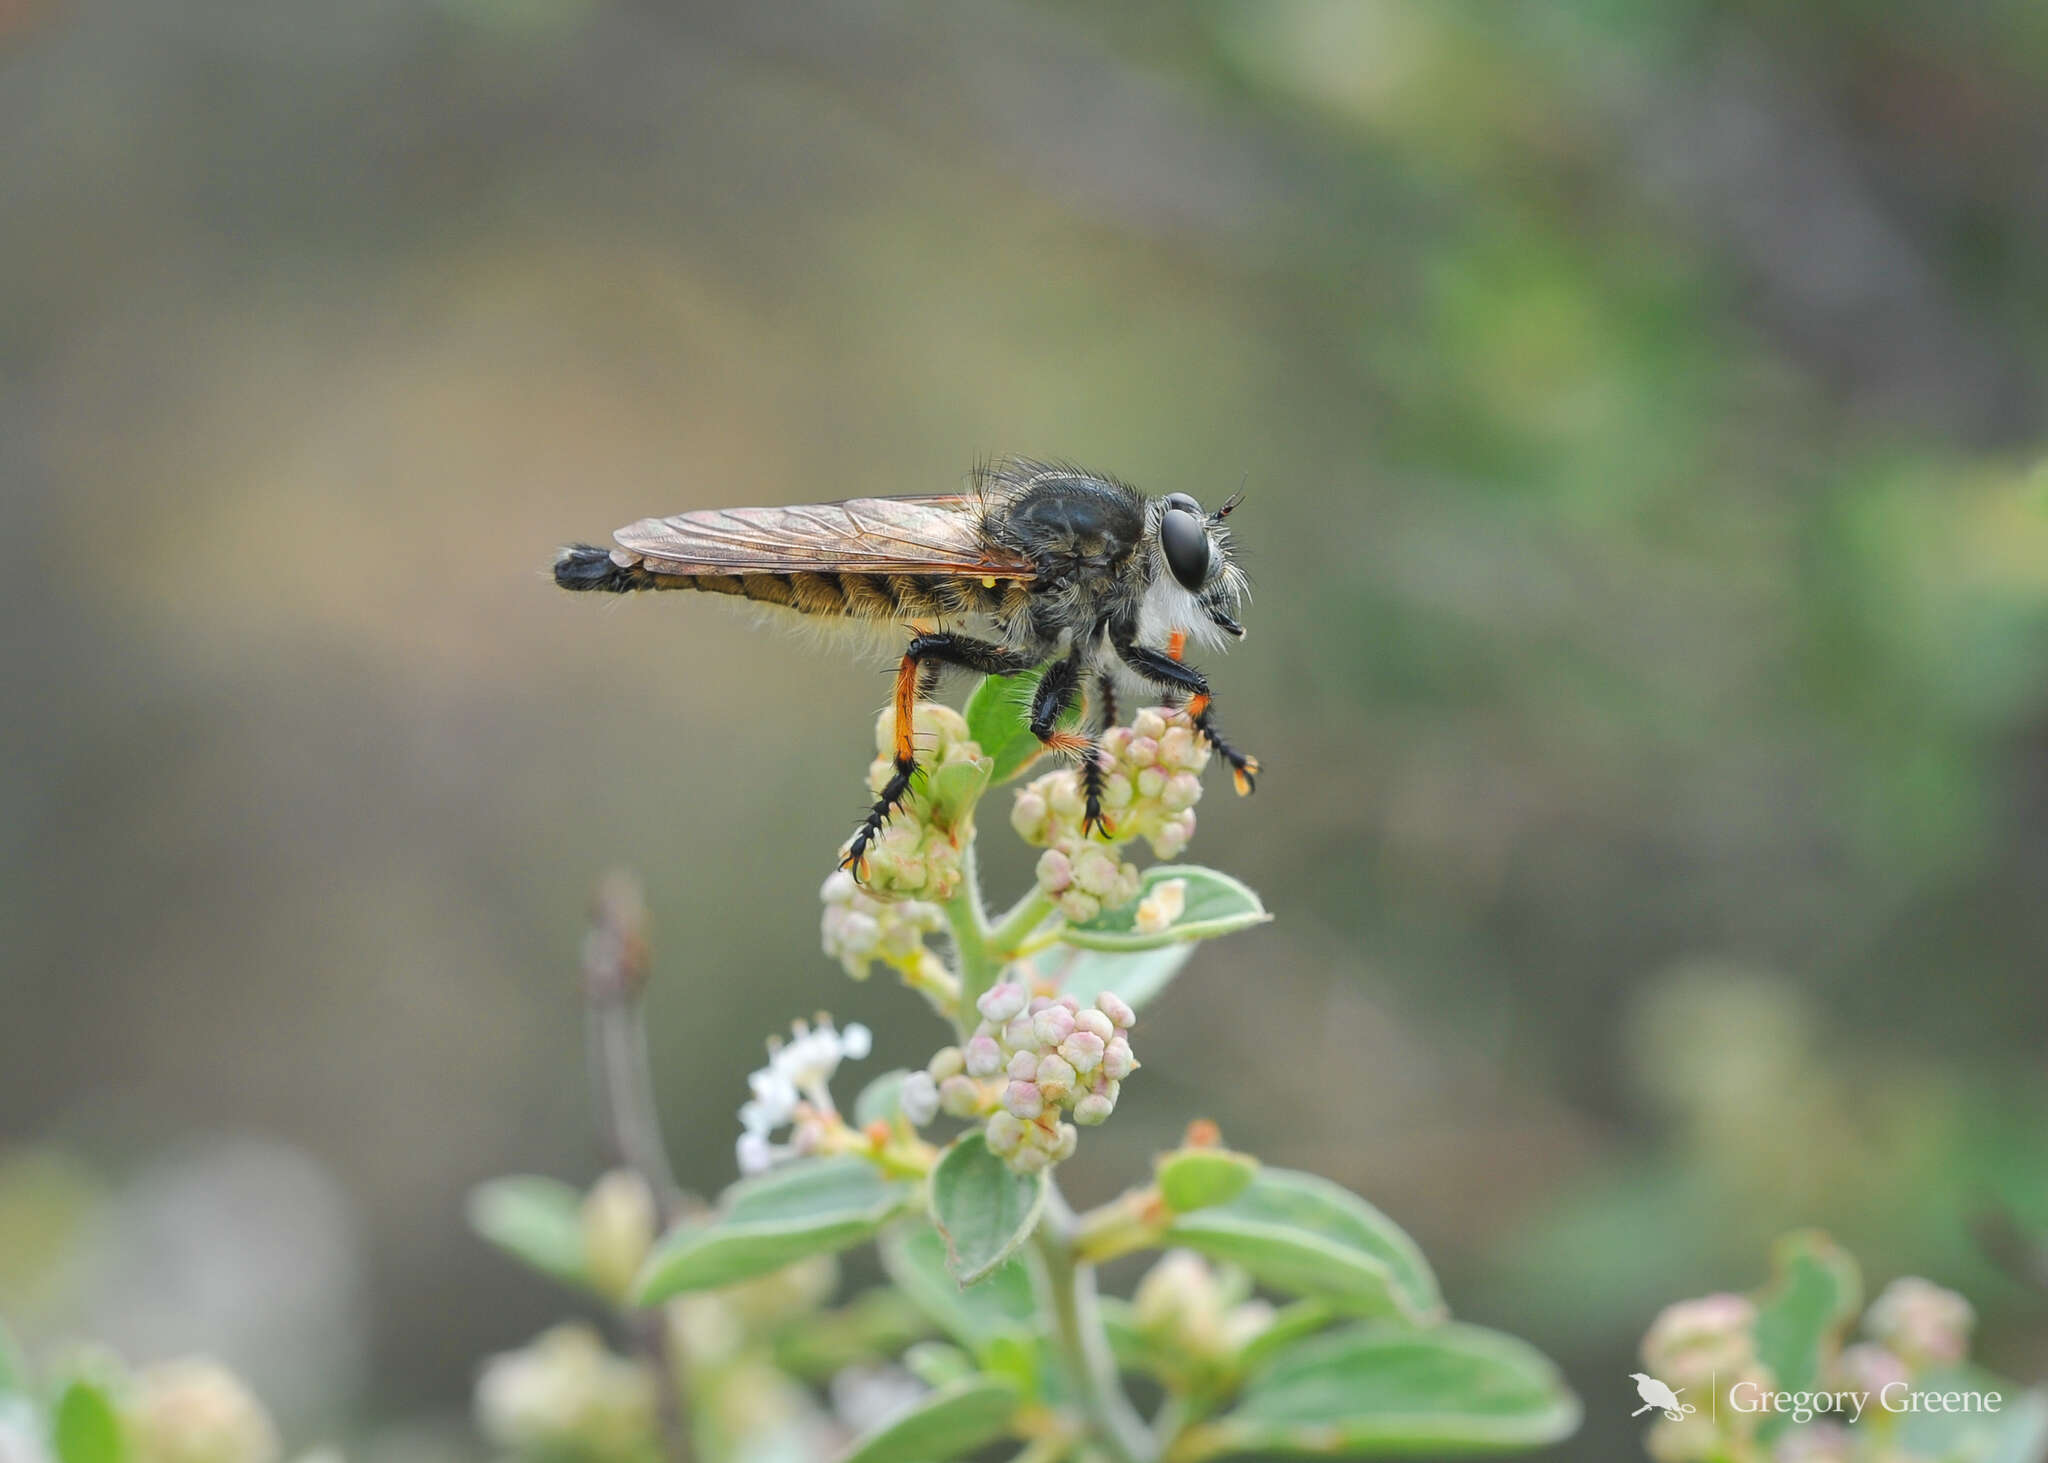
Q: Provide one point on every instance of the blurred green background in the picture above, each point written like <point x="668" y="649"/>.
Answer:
<point x="1640" y="414"/>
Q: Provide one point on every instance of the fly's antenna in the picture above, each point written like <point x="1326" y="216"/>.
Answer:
<point x="1229" y="504"/>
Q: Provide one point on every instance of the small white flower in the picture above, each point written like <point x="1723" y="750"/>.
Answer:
<point x="798" y="1076"/>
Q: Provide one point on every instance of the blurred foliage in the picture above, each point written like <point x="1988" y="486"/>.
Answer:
<point x="1640" y="409"/>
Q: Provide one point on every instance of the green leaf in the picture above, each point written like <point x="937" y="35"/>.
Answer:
<point x="2016" y="1433"/>
<point x="1001" y="1305"/>
<point x="938" y="1364"/>
<point x="1197" y="1178"/>
<point x="982" y="1207"/>
<point x="811" y="1207"/>
<point x="1216" y="905"/>
<point x="948" y="1423"/>
<point x="1381" y="1389"/>
<point x="879" y="1100"/>
<point x="538" y="1221"/>
<point x="1815" y="1292"/>
<point x="1135" y="975"/>
<point x="999" y="720"/>
<point x="85" y="1425"/>
<point x="1308" y="1237"/>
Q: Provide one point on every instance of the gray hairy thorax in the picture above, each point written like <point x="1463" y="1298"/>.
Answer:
<point x="1086" y="535"/>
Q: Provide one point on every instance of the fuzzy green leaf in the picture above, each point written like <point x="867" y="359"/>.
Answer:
<point x="948" y="1423"/>
<point x="85" y="1425"/>
<point x="1376" y="1389"/>
<point x="1001" y="1305"/>
<point x="1197" y="1178"/>
<point x="538" y="1221"/>
<point x="1216" y="905"/>
<point x="1815" y="1292"/>
<point x="982" y="1207"/>
<point x="999" y="719"/>
<point x="814" y="1206"/>
<point x="1135" y="975"/>
<point x="1306" y="1236"/>
<point x="879" y="1101"/>
<point x="2016" y="1433"/>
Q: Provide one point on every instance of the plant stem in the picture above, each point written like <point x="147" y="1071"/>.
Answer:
<point x="615" y="968"/>
<point x="1016" y="926"/>
<point x="1077" y="1323"/>
<point x="969" y="923"/>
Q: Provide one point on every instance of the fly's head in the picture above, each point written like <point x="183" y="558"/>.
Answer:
<point x="1195" y="587"/>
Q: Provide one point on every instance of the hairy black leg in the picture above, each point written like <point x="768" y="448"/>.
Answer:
<point x="923" y="658"/>
<point x="1057" y="690"/>
<point x="1105" y="702"/>
<point x="1193" y="687"/>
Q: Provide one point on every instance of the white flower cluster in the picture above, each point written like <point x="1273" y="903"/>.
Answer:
<point x="794" y="1088"/>
<point x="860" y="931"/>
<point x="1152" y="779"/>
<point x="1031" y="1062"/>
<point x="921" y="852"/>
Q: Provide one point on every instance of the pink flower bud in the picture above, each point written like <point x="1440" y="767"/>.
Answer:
<point x="1054" y="1077"/>
<point x="1097" y="1023"/>
<point x="1053" y="1025"/>
<point x="1005" y="1134"/>
<point x="1078" y="907"/>
<point x="1148" y="723"/>
<point x="1023" y="1065"/>
<point x="1182" y="790"/>
<point x="1023" y="1099"/>
<point x="1117" y="1060"/>
<point x="947" y="1061"/>
<point x="983" y="1057"/>
<point x="1083" y="1051"/>
<point x="1002" y="1001"/>
<point x="1031" y="1160"/>
<point x="1119" y="1012"/>
<point x="1177" y="747"/>
<point x="1151" y="782"/>
<point x="1054" y="871"/>
<point x="1091" y="1111"/>
<point x="1065" y="1142"/>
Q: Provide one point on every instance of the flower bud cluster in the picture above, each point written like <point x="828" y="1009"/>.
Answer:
<point x="1921" y="1323"/>
<point x="1152" y="779"/>
<point x="565" y="1395"/>
<point x="1032" y="1062"/>
<point x="197" y="1411"/>
<point x="1182" y="1304"/>
<point x="1703" y="1349"/>
<point x="921" y="852"/>
<point x="861" y="931"/>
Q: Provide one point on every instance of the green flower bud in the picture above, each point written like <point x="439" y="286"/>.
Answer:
<point x="565" y="1394"/>
<point x="619" y="1223"/>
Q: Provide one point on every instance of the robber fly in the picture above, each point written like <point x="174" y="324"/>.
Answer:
<point x="1046" y="566"/>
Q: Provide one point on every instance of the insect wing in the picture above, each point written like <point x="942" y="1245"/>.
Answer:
<point x="940" y="534"/>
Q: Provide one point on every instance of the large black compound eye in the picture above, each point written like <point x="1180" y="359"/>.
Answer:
<point x="1183" y="502"/>
<point x="1186" y="545"/>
